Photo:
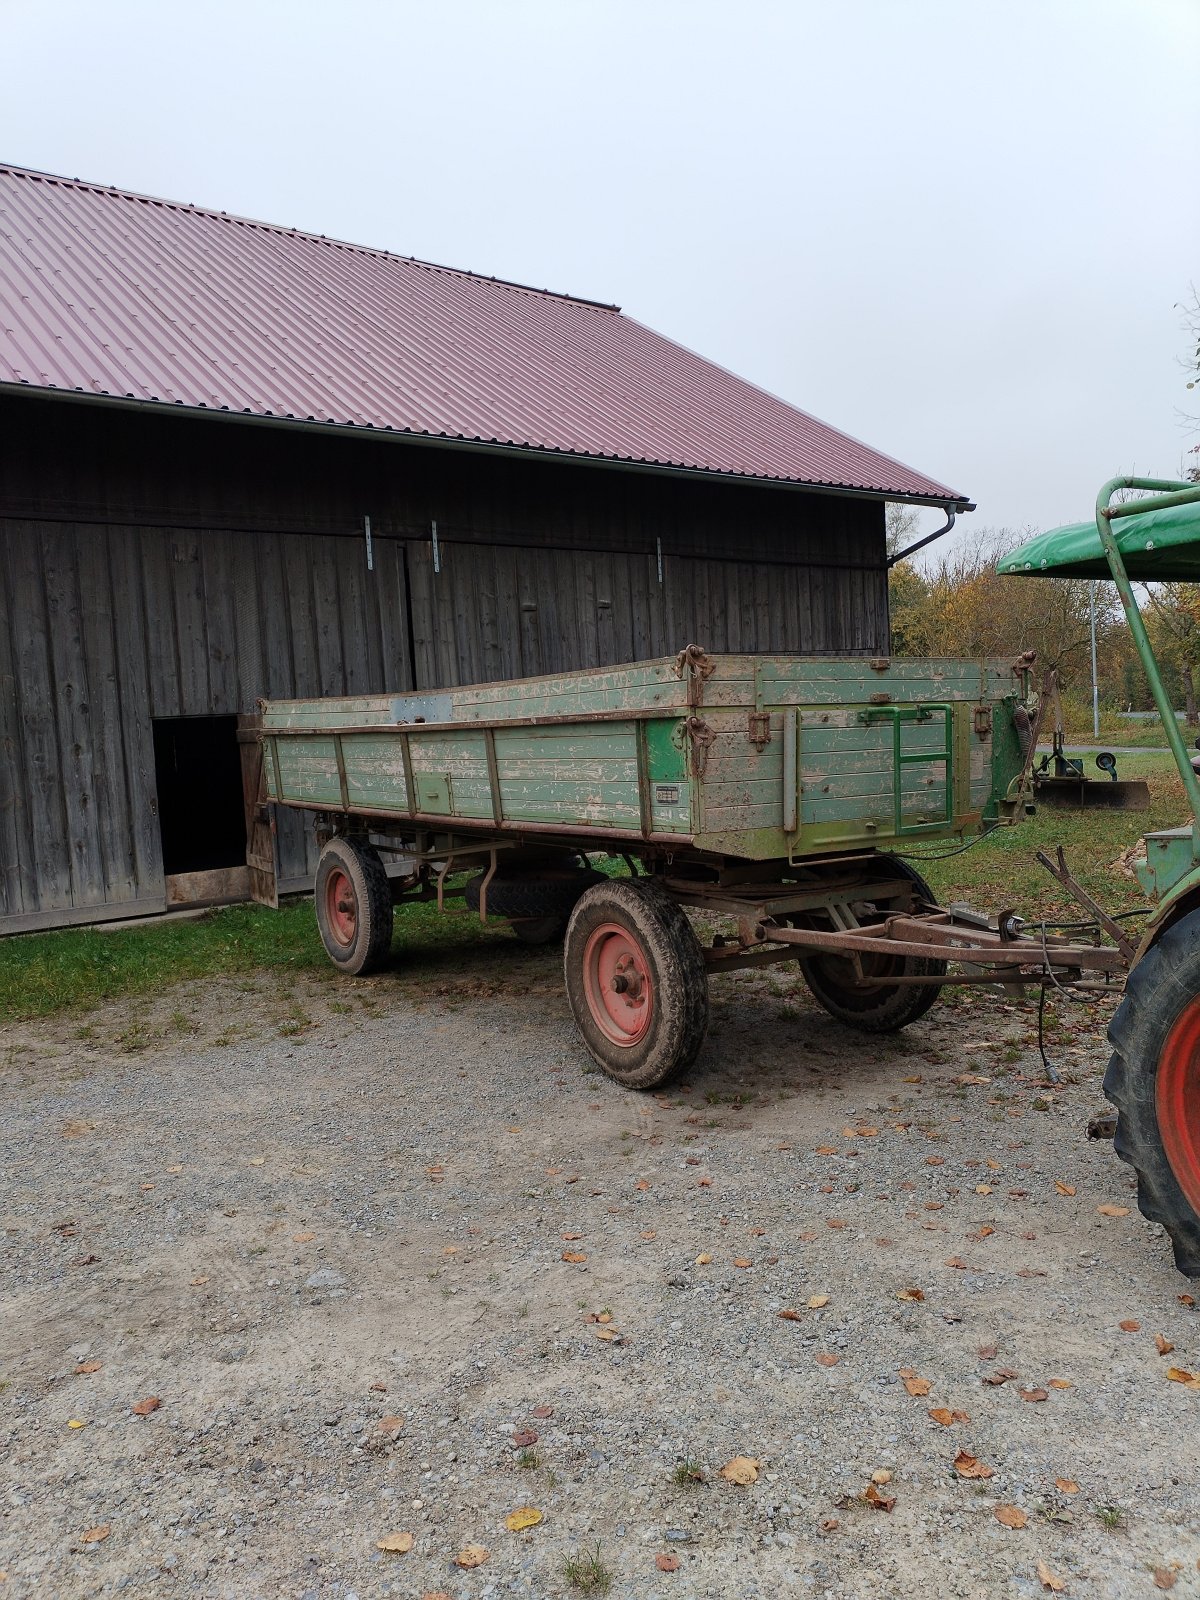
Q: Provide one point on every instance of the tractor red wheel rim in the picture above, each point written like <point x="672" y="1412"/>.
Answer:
<point x="617" y="984"/>
<point x="341" y="906"/>
<point x="1177" y="1101"/>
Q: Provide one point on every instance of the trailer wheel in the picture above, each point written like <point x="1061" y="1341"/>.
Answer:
<point x="539" y="904"/>
<point x="636" y="982"/>
<point x="1153" y="1079"/>
<point x="877" y="1006"/>
<point x="354" y="906"/>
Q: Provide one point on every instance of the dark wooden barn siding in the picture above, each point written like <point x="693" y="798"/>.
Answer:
<point x="159" y="566"/>
<point x="103" y="628"/>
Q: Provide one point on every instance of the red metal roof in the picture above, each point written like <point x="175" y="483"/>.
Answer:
<point x="108" y="293"/>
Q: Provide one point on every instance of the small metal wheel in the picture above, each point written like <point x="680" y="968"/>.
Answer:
<point x="1153" y="1080"/>
<point x="636" y="982"/>
<point x="354" y="906"/>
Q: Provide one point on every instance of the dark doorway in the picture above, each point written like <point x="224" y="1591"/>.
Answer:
<point x="201" y="813"/>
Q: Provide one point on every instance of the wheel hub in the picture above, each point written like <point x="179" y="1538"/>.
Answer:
<point x="617" y="984"/>
<point x="341" y="907"/>
<point x="1177" y="1101"/>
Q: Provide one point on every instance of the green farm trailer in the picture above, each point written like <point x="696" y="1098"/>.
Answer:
<point x="776" y="794"/>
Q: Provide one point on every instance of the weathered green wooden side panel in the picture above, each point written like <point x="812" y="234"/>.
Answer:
<point x="710" y="767"/>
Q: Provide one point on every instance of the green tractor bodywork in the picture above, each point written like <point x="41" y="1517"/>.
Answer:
<point x="1151" y="540"/>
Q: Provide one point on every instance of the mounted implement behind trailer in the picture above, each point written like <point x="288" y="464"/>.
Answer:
<point x="769" y="792"/>
<point x="1153" y="1078"/>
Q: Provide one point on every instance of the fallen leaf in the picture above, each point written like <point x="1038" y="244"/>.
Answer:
<point x="94" y="1366"/>
<point x="524" y="1437"/>
<point x="75" y="1128"/>
<point x="543" y="1411"/>
<point x="648" y="1233"/>
<point x="957" y="1262"/>
<point x="1048" y="1580"/>
<point x="94" y="1535"/>
<point x="816" y="1301"/>
<point x="910" y="1294"/>
<point x="835" y="1222"/>
<point x="303" y="1238"/>
<point x="877" y="1499"/>
<point x="1164" y="1578"/>
<point x="643" y="1184"/>
<point x="1033" y="1394"/>
<point x="1001" y="1375"/>
<point x="917" y="1079"/>
<point x="1066" y="1485"/>
<point x="741" y="1470"/>
<point x="1030" y="1272"/>
<point x="471" y="1555"/>
<point x="609" y="1335"/>
<point x="1064" y="1188"/>
<point x="574" y="1256"/>
<point x="175" y="1171"/>
<point x="1113" y="1211"/>
<point x="742" y="1261"/>
<point x="826" y="1360"/>
<point x="569" y="1236"/>
<point x="143" y="1408"/>
<point x="1011" y="1516"/>
<point x="1161" y="1343"/>
<point x="791" y="1316"/>
<point x="523" y="1517"/>
<point x="1130" y="1325"/>
<point x="146" y="1187"/>
<point x="76" y="1423"/>
<point x="399" y="1543"/>
<point x="945" y="1416"/>
<point x="1060" y="1383"/>
<point x="935" y="1161"/>
<point x="379" y="1388"/>
<point x="667" y="1563"/>
<point x="703" y="1260"/>
<point x="881" y="1475"/>
<point x="986" y="1352"/>
<point x="969" y="1466"/>
<point x="85" y="1261"/>
<point x="918" y="1386"/>
<point x="257" y="1161"/>
<point x="390" y="1427"/>
<point x="983" y="1188"/>
<point x="1186" y="1299"/>
<point x="1180" y="1375"/>
<point x="198" y="1282"/>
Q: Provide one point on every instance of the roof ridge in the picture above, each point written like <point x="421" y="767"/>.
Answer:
<point x="233" y="217"/>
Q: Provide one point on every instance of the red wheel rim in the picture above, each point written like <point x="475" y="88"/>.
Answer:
<point x="617" y="984"/>
<point x="341" y="906"/>
<point x="1177" y="1101"/>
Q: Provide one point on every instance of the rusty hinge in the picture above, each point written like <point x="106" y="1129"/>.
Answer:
<point x="702" y="737"/>
<point x="695" y="663"/>
<point x="880" y="664"/>
<point x="983" y="721"/>
<point x="758" y="729"/>
<point x="880" y="699"/>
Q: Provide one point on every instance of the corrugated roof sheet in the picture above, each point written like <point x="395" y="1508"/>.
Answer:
<point x="115" y="294"/>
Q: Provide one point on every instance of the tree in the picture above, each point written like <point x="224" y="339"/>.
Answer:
<point x="1173" y="624"/>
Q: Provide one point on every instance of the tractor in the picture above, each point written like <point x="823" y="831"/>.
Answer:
<point x="1153" y="1077"/>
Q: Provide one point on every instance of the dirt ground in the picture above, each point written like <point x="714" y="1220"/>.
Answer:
<point x="392" y="1260"/>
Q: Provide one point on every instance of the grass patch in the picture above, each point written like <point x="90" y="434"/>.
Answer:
<point x="587" y="1573"/>
<point x="1001" y="871"/>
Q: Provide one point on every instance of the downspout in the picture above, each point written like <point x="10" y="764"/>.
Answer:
<point x="1177" y="494"/>
<point x="903" y="555"/>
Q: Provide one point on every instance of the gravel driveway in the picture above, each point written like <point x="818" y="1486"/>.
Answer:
<point x="392" y="1260"/>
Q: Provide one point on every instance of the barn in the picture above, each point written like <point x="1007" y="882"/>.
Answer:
<point x="238" y="460"/>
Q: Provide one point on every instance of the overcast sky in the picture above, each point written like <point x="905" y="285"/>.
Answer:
<point x="959" y="231"/>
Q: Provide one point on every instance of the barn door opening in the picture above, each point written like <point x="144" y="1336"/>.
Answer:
<point x="201" y="815"/>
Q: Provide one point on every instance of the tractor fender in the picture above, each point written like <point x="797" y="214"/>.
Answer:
<point x="1183" y="898"/>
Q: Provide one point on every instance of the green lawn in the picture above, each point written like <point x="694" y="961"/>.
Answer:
<point x="45" y="973"/>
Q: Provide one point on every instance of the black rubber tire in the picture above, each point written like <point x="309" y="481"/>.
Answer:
<point x="538" y="903"/>
<point x="370" y="945"/>
<point x="1159" y="988"/>
<point x="883" y="1007"/>
<point x="679" y="1019"/>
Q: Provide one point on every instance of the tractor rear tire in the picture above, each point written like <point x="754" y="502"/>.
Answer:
<point x="1153" y="1079"/>
<point x="636" y="982"/>
<point x="353" y="901"/>
<point x="877" y="1007"/>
